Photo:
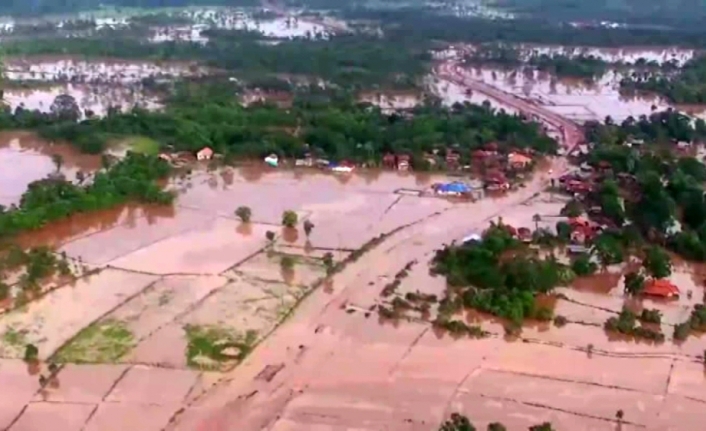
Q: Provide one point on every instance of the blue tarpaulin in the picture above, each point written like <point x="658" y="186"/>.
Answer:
<point x="454" y="187"/>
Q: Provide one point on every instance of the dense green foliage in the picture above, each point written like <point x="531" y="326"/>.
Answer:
<point x="346" y="60"/>
<point x="687" y="86"/>
<point x="499" y="275"/>
<point x="626" y="323"/>
<point x="328" y="126"/>
<point x="660" y="188"/>
<point x="54" y="198"/>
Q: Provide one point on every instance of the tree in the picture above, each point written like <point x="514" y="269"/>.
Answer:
<point x="290" y="218"/>
<point x="536" y="219"/>
<point x="270" y="236"/>
<point x="546" y="426"/>
<point x="657" y="262"/>
<point x="31" y="353"/>
<point x="634" y="283"/>
<point x="573" y="208"/>
<point x="244" y="214"/>
<point x="583" y="265"/>
<point x="496" y="426"/>
<point x="457" y="422"/>
<point x="58" y="161"/>
<point x="308" y="227"/>
<point x="328" y="262"/>
<point x="65" y="108"/>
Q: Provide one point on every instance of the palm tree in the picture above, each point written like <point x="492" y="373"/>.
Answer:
<point x="244" y="213"/>
<point x="536" y="219"/>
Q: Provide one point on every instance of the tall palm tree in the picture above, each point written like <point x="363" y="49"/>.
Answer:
<point x="536" y="219"/>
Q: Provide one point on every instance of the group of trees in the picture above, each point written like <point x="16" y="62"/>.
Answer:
<point x="686" y="86"/>
<point x="659" y="189"/>
<point x="322" y="125"/>
<point x="500" y="275"/>
<point x="130" y="179"/>
<point x="459" y="422"/>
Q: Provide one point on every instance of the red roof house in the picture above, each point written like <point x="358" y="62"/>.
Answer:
<point x="662" y="288"/>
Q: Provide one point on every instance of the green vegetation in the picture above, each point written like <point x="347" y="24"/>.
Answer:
<point x="499" y="275"/>
<point x="31" y="353"/>
<point x="102" y="342"/>
<point x="244" y="214"/>
<point x="687" y="86"/>
<point x="142" y="145"/>
<point x="289" y="219"/>
<point x="625" y="324"/>
<point x="14" y="338"/>
<point x="695" y="323"/>
<point x="213" y="347"/>
<point x="651" y="184"/>
<point x="331" y="125"/>
<point x="459" y="422"/>
<point x="54" y="198"/>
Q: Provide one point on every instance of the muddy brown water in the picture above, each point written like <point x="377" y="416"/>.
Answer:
<point x="25" y="158"/>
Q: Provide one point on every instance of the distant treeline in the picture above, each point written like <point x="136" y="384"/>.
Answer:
<point x="42" y="7"/>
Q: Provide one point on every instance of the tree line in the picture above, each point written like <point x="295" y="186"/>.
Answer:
<point x="133" y="178"/>
<point x="685" y="86"/>
<point x="319" y="124"/>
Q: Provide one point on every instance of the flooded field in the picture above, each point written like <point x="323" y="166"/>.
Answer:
<point x="25" y="158"/>
<point x="576" y="99"/>
<point x="78" y="71"/>
<point x="626" y="55"/>
<point x="92" y="99"/>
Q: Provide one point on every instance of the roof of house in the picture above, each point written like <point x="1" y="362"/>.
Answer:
<point x="519" y="158"/>
<point x="205" y="150"/>
<point x="454" y="187"/>
<point x="661" y="287"/>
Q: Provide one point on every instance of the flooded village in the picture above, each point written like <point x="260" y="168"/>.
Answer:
<point x="328" y="288"/>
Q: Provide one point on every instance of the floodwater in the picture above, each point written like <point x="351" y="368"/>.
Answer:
<point x="390" y="101"/>
<point x="579" y="100"/>
<point x="451" y="93"/>
<point x="74" y="70"/>
<point x="25" y="158"/>
<point x="91" y="98"/>
<point x="627" y="55"/>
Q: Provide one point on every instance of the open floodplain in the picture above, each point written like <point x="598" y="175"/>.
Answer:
<point x="123" y="331"/>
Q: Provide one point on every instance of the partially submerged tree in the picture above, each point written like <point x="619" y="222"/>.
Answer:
<point x="328" y="262"/>
<point x="270" y="235"/>
<point x="244" y="214"/>
<point x="31" y="353"/>
<point x="657" y="262"/>
<point x="58" y="161"/>
<point x="65" y="108"/>
<point x="308" y="227"/>
<point x="289" y="218"/>
<point x="634" y="283"/>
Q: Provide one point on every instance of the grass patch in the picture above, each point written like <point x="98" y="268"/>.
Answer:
<point x="144" y="145"/>
<point x="14" y="338"/>
<point x="106" y="341"/>
<point x="215" y="348"/>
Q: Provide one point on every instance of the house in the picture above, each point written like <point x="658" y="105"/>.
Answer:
<point x="388" y="160"/>
<point x="272" y="160"/>
<point x="524" y="234"/>
<point x="496" y="181"/>
<point x="204" y="154"/>
<point x="518" y="161"/>
<point x="403" y="162"/>
<point x="661" y="288"/>
<point x="452" y="159"/>
<point x="343" y="167"/>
